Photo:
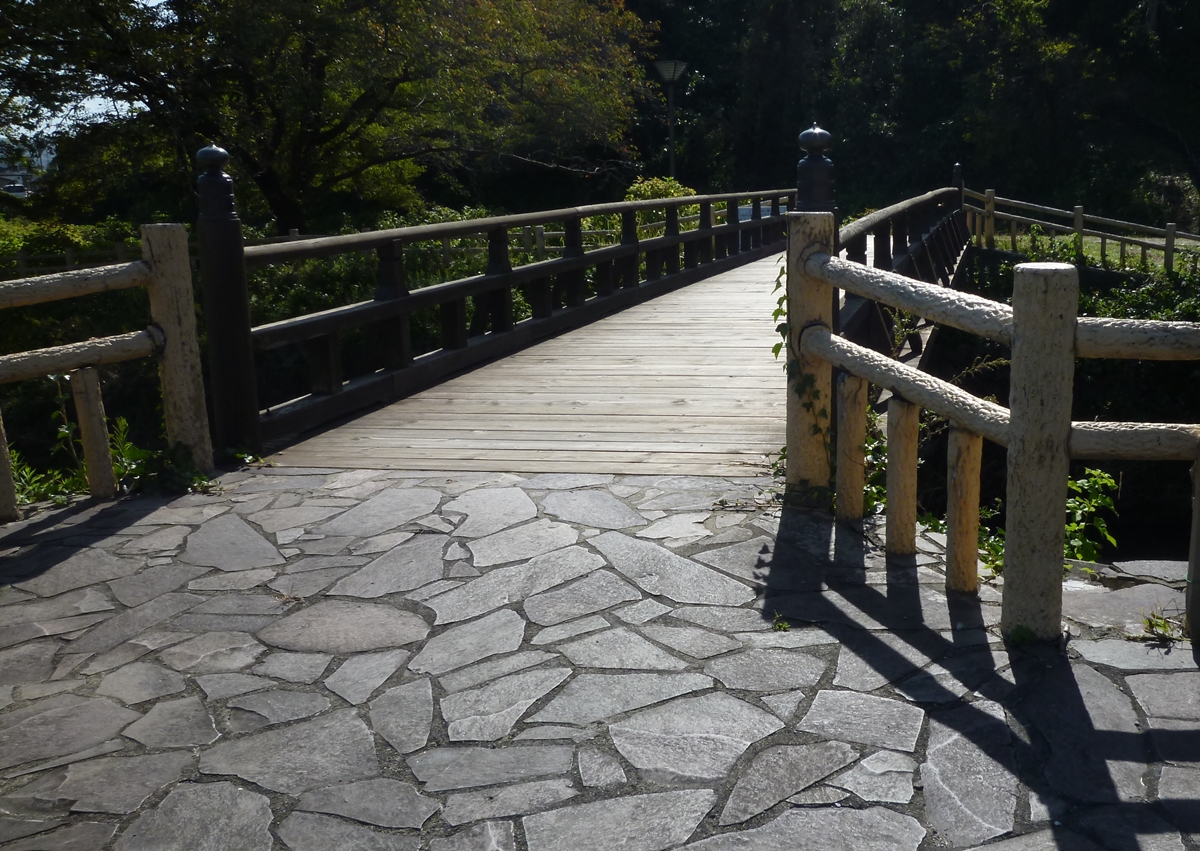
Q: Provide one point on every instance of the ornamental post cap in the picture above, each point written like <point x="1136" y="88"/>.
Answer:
<point x="814" y="140"/>
<point x="212" y="158"/>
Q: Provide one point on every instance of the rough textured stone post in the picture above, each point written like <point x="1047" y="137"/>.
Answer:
<point x="164" y="247"/>
<point x="903" y="427"/>
<point x="851" y="438"/>
<point x="963" y="459"/>
<point x="233" y="378"/>
<point x="1045" y="303"/>
<point x="93" y="432"/>
<point x="810" y="302"/>
<point x="8" y="490"/>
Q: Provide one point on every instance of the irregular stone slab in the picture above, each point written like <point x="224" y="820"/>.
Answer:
<point x="1179" y="792"/>
<point x="221" y="623"/>
<point x="1073" y="707"/>
<point x="342" y="626"/>
<point x="695" y="642"/>
<point x="267" y="482"/>
<point x="111" y="785"/>
<point x="1168" y="695"/>
<point x="153" y="582"/>
<point x="383" y="512"/>
<point x="335" y="748"/>
<point x="554" y="731"/>
<point x="241" y="604"/>
<point x="221" y="686"/>
<point x="563" y="631"/>
<point x="678" y="526"/>
<point x="956" y="675"/>
<point x="784" y="705"/>
<point x="493" y="669"/>
<point x="316" y="563"/>
<point x="29" y="663"/>
<point x="875" y="829"/>
<point x="564" y="481"/>
<point x="160" y="540"/>
<point x="126" y="625"/>
<point x="442" y="769"/>
<point x="81" y="602"/>
<point x="10" y="635"/>
<point x="818" y="796"/>
<point x="691" y="737"/>
<point x="275" y="520"/>
<point x="1105" y="607"/>
<point x="68" y="569"/>
<point x="864" y="718"/>
<point x="595" y="508"/>
<point x="230" y="543"/>
<point x="432" y="590"/>
<point x="382" y="802"/>
<point x="180" y="723"/>
<point x="489" y="712"/>
<point x="1164" y="571"/>
<point x="766" y="670"/>
<point x="749" y="560"/>
<point x="381" y="543"/>
<point x="306" y="584"/>
<point x="506" y="585"/>
<point x="294" y="667"/>
<point x="598" y="769"/>
<point x="640" y="613"/>
<point x="632" y="823"/>
<point x="591" y="697"/>
<point x="490" y="510"/>
<point x="414" y="563"/>
<point x="310" y="832"/>
<point x="241" y="581"/>
<point x="523" y="542"/>
<point x="132" y="650"/>
<point x="1139" y="830"/>
<point x="359" y="676"/>
<point x="620" y="648"/>
<point x="81" y="836"/>
<point x="868" y="660"/>
<point x="727" y="619"/>
<point x="518" y="799"/>
<point x="140" y="681"/>
<point x="11" y="828"/>
<point x="598" y="590"/>
<point x="781" y="771"/>
<point x="1136" y="656"/>
<point x="402" y="715"/>
<point x="500" y="632"/>
<point x="885" y="777"/>
<point x="59" y="725"/>
<point x="489" y="836"/>
<point x="1058" y="839"/>
<point x="255" y="711"/>
<point x="195" y="815"/>
<point x="1173" y="741"/>
<point x="324" y="546"/>
<point x="659" y="571"/>
<point x="213" y="653"/>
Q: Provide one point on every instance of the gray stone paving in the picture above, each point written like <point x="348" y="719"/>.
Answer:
<point x="492" y="662"/>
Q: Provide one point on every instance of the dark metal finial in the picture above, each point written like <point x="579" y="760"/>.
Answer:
<point x="814" y="172"/>
<point x="958" y="176"/>
<point x="814" y="140"/>
<point x="214" y="185"/>
<point x="212" y="158"/>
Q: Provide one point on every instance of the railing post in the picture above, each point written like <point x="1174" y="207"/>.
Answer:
<point x="1169" y="248"/>
<point x="573" y="247"/>
<point x="1045" y="304"/>
<point x="964" y="457"/>
<point x="173" y="309"/>
<point x="882" y="237"/>
<point x="810" y="302"/>
<point x="704" y="226"/>
<point x="391" y="283"/>
<point x="232" y="375"/>
<point x="93" y="432"/>
<point x="1078" y="233"/>
<point x="8" y="489"/>
<point x="672" y="230"/>
<point x="629" y="236"/>
<point x="324" y="356"/>
<point x="815" y="173"/>
<point x="733" y="224"/>
<point x="989" y="218"/>
<point x="851" y="441"/>
<point x="499" y="301"/>
<point x="903" y="428"/>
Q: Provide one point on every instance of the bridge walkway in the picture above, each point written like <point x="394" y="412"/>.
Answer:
<point x="684" y="384"/>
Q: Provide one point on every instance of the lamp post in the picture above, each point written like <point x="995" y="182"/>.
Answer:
<point x="670" y="70"/>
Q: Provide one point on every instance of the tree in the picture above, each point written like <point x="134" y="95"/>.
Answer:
<point x="312" y="98"/>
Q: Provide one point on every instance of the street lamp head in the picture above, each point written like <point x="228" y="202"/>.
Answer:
<point x="670" y="69"/>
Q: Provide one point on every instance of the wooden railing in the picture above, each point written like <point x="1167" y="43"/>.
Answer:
<point x="1165" y="241"/>
<point x="571" y="287"/>
<point x="167" y="276"/>
<point x="1045" y="337"/>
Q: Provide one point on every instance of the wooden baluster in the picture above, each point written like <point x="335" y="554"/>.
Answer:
<point x="1122" y="254"/>
<point x="756" y="232"/>
<point x="963" y="459"/>
<point x="574" y="283"/>
<point x="93" y="432"/>
<point x="1041" y="377"/>
<point x="1012" y="233"/>
<point x="672" y="230"/>
<point x="882" y="237"/>
<point x="393" y="335"/>
<point x="8" y="489"/>
<point x="539" y="234"/>
<point x="605" y="278"/>
<point x="499" y="301"/>
<point x="856" y="249"/>
<point x="810" y="302"/>
<point x="851" y="440"/>
<point x="776" y="231"/>
<point x="733" y="226"/>
<point x="989" y="218"/>
<point x="629" y="236"/>
<point x="324" y="357"/>
<point x="705" y="242"/>
<point x="1169" y="248"/>
<point x="900" y="244"/>
<point x="453" y="315"/>
<point x="720" y="244"/>
<point x="903" y="426"/>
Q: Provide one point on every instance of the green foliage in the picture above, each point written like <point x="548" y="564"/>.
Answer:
<point x="779" y="623"/>
<point x="991" y="537"/>
<point x="875" y="459"/>
<point x="1086" y="529"/>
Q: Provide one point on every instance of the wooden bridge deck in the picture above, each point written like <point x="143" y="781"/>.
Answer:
<point x="683" y="384"/>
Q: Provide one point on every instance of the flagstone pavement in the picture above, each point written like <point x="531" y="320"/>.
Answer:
<point x="318" y="659"/>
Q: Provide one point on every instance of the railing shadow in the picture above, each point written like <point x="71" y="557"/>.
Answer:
<point x="887" y="612"/>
